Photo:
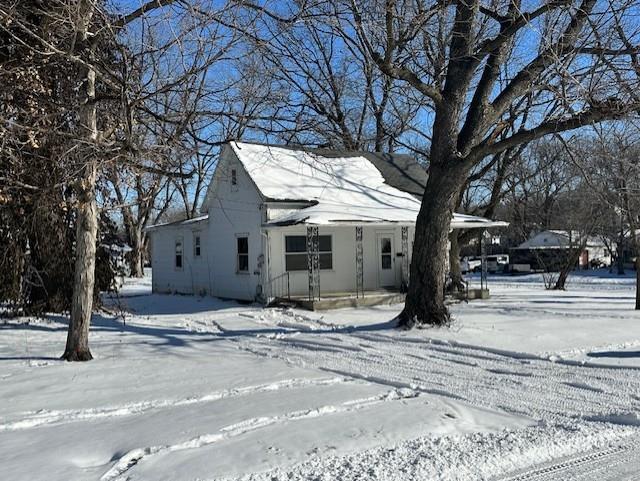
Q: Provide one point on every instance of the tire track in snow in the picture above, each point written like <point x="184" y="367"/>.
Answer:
<point x="618" y="463"/>
<point x="529" y="385"/>
<point x="119" y="470"/>
<point x="52" y="418"/>
<point x="564" y="395"/>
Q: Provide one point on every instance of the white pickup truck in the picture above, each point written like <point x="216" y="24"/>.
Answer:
<point x="495" y="263"/>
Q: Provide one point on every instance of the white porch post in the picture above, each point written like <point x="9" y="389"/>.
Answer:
<point x="405" y="258"/>
<point x="313" y="262"/>
<point x="359" y="263"/>
<point x="483" y="253"/>
<point x="265" y="268"/>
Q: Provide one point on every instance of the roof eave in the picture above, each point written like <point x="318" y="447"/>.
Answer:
<point x="486" y="224"/>
<point x="178" y="223"/>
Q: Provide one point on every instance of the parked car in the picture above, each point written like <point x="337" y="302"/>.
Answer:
<point x="495" y="263"/>
<point x="470" y="264"/>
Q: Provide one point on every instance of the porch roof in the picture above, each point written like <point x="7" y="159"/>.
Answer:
<point x="347" y="215"/>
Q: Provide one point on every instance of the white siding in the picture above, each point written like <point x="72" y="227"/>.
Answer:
<point x="193" y="277"/>
<point x="342" y="276"/>
<point x="240" y="210"/>
<point x="234" y="210"/>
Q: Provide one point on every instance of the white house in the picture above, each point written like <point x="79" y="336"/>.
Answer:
<point x="559" y="241"/>
<point x="289" y="222"/>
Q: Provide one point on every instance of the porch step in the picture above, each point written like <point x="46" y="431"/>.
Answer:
<point x="282" y="302"/>
<point x="340" y="302"/>
<point x="369" y="299"/>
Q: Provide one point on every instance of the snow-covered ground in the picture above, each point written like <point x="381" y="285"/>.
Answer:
<point x="530" y="384"/>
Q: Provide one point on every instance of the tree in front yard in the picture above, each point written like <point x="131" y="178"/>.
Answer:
<point x="479" y="64"/>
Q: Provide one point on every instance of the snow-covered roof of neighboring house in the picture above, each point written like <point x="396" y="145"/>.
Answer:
<point x="348" y="189"/>
<point x="193" y="220"/>
<point x="117" y="248"/>
<point x="554" y="239"/>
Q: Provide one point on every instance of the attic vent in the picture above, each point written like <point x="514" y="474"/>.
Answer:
<point x="234" y="177"/>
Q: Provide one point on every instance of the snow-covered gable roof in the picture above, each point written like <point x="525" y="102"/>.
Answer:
<point x="554" y="239"/>
<point x="339" y="189"/>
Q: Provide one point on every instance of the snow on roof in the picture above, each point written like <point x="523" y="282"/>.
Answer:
<point x="117" y="248"/>
<point x="193" y="220"/>
<point x="287" y="174"/>
<point x="555" y="239"/>
<point x="346" y="189"/>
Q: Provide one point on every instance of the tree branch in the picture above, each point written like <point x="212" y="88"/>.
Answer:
<point x="609" y="110"/>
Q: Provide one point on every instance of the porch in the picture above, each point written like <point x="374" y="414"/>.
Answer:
<point x="380" y="297"/>
<point x="333" y="266"/>
<point x="340" y="300"/>
<point x="341" y="266"/>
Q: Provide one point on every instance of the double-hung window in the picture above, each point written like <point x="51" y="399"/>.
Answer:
<point x="197" y="249"/>
<point x="242" y="250"/>
<point x="296" y="252"/>
<point x="178" y="252"/>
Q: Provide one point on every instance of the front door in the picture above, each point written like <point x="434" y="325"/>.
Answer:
<point x="386" y="261"/>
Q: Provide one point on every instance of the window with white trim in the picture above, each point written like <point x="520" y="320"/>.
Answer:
<point x="178" y="253"/>
<point x="242" y="249"/>
<point x="295" y="257"/>
<point x="197" y="248"/>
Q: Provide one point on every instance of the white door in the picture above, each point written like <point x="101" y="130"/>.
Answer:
<point x="386" y="261"/>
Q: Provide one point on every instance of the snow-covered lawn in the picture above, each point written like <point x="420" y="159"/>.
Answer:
<point x="185" y="388"/>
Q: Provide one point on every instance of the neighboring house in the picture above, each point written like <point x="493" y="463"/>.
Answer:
<point x="549" y="249"/>
<point x="280" y="221"/>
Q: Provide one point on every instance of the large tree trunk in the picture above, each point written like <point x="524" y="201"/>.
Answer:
<point x="77" y="348"/>
<point x="455" y="272"/>
<point x="424" y="304"/>
<point x="136" y="259"/>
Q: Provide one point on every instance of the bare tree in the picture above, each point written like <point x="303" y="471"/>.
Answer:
<point x="243" y="102"/>
<point x="482" y="194"/>
<point x="610" y="165"/>
<point x="329" y="91"/>
<point x="115" y="84"/>
<point x="579" y="61"/>
<point x="583" y="218"/>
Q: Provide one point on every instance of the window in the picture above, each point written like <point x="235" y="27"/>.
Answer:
<point x="242" y="263"/>
<point x="234" y="180"/>
<point x="296" y="252"/>
<point x="385" y="252"/>
<point x="196" y="245"/>
<point x="179" y="254"/>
